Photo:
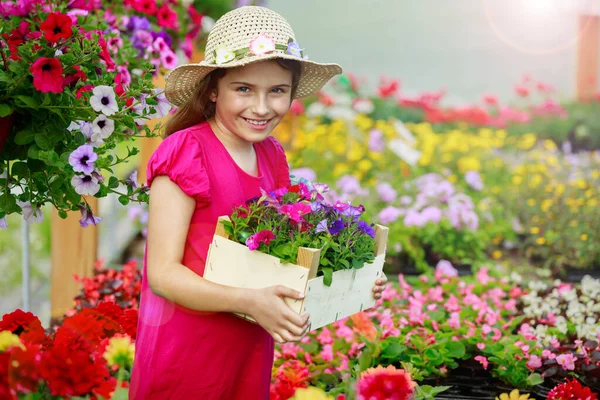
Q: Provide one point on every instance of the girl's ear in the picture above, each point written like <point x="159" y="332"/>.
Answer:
<point x="213" y="96"/>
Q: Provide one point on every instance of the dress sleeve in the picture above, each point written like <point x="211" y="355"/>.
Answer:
<point x="180" y="158"/>
<point x="283" y="169"/>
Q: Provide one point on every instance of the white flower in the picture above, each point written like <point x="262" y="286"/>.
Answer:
<point x="141" y="108"/>
<point x="102" y="128"/>
<point x="207" y="23"/>
<point x="31" y="215"/>
<point x="104" y="100"/>
<point x="163" y="107"/>
<point x="86" y="185"/>
<point x="223" y="56"/>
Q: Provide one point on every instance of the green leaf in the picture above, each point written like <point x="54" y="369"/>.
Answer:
<point x="433" y="356"/>
<point x="393" y="351"/>
<point x="5" y="110"/>
<point x="535" y="379"/>
<point x="437" y="315"/>
<point x="124" y="200"/>
<point x="28" y="101"/>
<point x="20" y="169"/>
<point x="455" y="349"/>
<point x="43" y="141"/>
<point x="113" y="182"/>
<point x="366" y="360"/>
<point x="345" y="263"/>
<point x="62" y="214"/>
<point x="24" y="137"/>
<point x="327" y="276"/>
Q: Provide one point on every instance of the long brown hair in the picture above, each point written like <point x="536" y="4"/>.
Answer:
<point x="199" y="108"/>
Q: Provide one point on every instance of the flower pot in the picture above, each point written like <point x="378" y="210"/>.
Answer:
<point x="233" y="264"/>
<point x="6" y="124"/>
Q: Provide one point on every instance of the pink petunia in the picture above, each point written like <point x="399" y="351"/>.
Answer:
<point x="483" y="360"/>
<point x="296" y="212"/>
<point x="254" y="241"/>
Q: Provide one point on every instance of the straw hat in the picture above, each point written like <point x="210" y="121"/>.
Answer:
<point x="243" y="36"/>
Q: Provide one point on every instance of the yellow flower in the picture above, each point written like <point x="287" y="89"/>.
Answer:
<point x="535" y="230"/>
<point x="517" y="180"/>
<point x="527" y="141"/>
<point x="584" y="237"/>
<point x="468" y="164"/>
<point x="340" y="169"/>
<point x="531" y="202"/>
<point x="8" y="340"/>
<point x="496" y="190"/>
<point x="546" y="204"/>
<point x="356" y="152"/>
<point x="549" y="145"/>
<point x="540" y="240"/>
<point x="364" y="165"/>
<point x="596" y="174"/>
<point x="310" y="393"/>
<point x="514" y="395"/>
<point x="560" y="189"/>
<point x="452" y="178"/>
<point x="496" y="254"/>
<point x="592" y="202"/>
<point x="120" y="351"/>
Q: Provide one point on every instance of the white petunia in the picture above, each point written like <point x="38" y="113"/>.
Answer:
<point x="30" y="214"/>
<point x="163" y="107"/>
<point x="102" y="128"/>
<point x="86" y="185"/>
<point x="104" y="100"/>
<point x="223" y="56"/>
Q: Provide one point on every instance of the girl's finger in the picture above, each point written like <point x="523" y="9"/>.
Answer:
<point x="277" y="338"/>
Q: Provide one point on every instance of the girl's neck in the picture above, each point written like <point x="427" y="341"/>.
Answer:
<point x="231" y="141"/>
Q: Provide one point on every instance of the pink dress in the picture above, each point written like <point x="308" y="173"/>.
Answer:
<point x="185" y="354"/>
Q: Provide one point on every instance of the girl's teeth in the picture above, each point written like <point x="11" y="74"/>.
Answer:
<point x="257" y="122"/>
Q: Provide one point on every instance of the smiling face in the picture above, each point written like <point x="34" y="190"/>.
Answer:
<point x="251" y="100"/>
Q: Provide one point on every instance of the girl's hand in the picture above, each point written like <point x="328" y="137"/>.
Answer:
<point x="272" y="313"/>
<point x="379" y="286"/>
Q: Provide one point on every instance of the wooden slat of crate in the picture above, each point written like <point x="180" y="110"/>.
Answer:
<point x="351" y="291"/>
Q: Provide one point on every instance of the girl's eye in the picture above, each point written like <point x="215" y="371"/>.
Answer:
<point x="278" y="90"/>
<point x="243" y="89"/>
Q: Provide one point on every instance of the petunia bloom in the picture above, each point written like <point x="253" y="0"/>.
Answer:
<point x="102" y="128"/>
<point x="82" y="159"/>
<point x="86" y="185"/>
<point x="262" y="44"/>
<point x="56" y="27"/>
<point x="385" y="383"/>
<point x="254" y="241"/>
<point x="87" y="217"/>
<point x="104" y="100"/>
<point x="47" y="75"/>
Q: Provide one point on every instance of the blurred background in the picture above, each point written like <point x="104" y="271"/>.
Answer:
<point x="469" y="127"/>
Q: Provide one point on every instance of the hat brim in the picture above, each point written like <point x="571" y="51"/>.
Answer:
<point x="182" y="82"/>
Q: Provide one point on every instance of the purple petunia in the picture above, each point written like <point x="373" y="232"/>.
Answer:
<point x="366" y="228"/>
<point x="138" y="23"/>
<point x="3" y="223"/>
<point x="337" y="226"/>
<point x="322" y="226"/>
<point x="294" y="49"/>
<point x="87" y="217"/>
<point x="82" y="159"/>
<point x="86" y="185"/>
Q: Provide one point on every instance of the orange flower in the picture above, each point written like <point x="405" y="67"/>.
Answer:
<point x="363" y="325"/>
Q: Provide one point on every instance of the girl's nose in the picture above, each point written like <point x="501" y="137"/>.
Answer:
<point x="260" y="107"/>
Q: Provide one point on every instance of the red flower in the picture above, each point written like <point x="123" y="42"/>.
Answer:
<point x="145" y="6"/>
<point x="47" y="75"/>
<point x="571" y="390"/>
<point x="5" y="390"/>
<point x="129" y="322"/>
<point x="83" y="89"/>
<point x="23" y="374"/>
<point x="522" y="90"/>
<point x="75" y="373"/>
<point x="57" y="26"/>
<point x="388" y="88"/>
<point x="167" y="18"/>
<point x="385" y="384"/>
<point x="25" y="325"/>
<point x="292" y="375"/>
<point x="72" y="79"/>
<point x="105" y="55"/>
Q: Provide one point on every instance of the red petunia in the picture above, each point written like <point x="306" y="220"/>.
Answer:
<point x="5" y="390"/>
<point x="571" y="389"/>
<point x="82" y="90"/>
<point x="292" y="375"/>
<point x="47" y="75"/>
<point x="25" y="325"/>
<point x="57" y="26"/>
<point x="105" y="55"/>
<point x="167" y="18"/>
<point x="129" y="322"/>
<point x="72" y="79"/>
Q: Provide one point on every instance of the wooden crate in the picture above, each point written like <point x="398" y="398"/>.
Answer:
<point x="233" y="264"/>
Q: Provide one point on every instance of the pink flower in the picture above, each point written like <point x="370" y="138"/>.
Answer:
<point x="385" y="383"/>
<point x="307" y="358"/>
<point x="567" y="361"/>
<point x="444" y="268"/>
<point x="262" y="44"/>
<point x="454" y="321"/>
<point x="483" y="360"/>
<point x="290" y="350"/>
<point x="168" y="59"/>
<point x="534" y="362"/>
<point x="296" y="212"/>
<point x="325" y="337"/>
<point x="483" y="277"/>
<point x="167" y="18"/>
<point x="327" y="353"/>
<point x="548" y="354"/>
<point x="481" y="346"/>
<point x="265" y="236"/>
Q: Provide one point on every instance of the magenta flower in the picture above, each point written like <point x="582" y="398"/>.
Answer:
<point x="168" y="59"/>
<point x="483" y="360"/>
<point x="265" y="236"/>
<point x="296" y="212"/>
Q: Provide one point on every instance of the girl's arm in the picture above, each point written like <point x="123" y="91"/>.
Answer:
<point x="168" y="223"/>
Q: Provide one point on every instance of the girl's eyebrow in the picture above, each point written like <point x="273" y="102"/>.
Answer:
<point x="251" y="85"/>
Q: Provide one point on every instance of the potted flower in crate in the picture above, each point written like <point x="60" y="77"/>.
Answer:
<point x="294" y="238"/>
<point x="71" y="90"/>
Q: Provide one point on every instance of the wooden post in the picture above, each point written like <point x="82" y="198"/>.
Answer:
<point x="74" y="251"/>
<point x="587" y="57"/>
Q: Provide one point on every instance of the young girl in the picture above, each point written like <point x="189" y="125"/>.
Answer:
<point x="217" y="154"/>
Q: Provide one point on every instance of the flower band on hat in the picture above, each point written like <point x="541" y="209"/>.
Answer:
<point x="261" y="45"/>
